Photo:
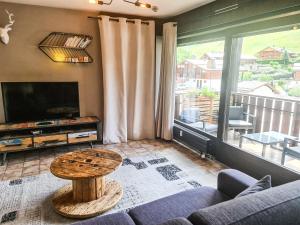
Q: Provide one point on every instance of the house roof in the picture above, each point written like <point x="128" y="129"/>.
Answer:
<point x="278" y="49"/>
<point x="250" y="86"/>
<point x="296" y="67"/>
<point x="197" y="62"/>
<point x="214" y="55"/>
<point x="220" y="55"/>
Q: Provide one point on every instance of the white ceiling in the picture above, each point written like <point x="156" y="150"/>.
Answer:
<point x="166" y="7"/>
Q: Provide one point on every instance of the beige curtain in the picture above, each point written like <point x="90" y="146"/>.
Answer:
<point x="128" y="58"/>
<point x="166" y="98"/>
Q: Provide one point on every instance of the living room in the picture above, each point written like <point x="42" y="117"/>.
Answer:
<point x="129" y="112"/>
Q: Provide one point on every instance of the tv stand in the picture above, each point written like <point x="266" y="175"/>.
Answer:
<point x="15" y="137"/>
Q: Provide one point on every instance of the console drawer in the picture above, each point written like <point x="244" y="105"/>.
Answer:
<point x="50" y="140"/>
<point x="82" y="137"/>
<point x="14" y="145"/>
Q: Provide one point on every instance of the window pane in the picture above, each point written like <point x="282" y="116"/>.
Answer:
<point x="198" y="85"/>
<point x="265" y="100"/>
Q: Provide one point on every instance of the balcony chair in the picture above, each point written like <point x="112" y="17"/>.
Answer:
<point x="238" y="119"/>
<point x="192" y="116"/>
<point x="293" y="151"/>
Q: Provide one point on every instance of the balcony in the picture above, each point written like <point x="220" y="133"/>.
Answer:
<point x="277" y="114"/>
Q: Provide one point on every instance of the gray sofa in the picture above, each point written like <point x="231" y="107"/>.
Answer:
<point x="208" y="206"/>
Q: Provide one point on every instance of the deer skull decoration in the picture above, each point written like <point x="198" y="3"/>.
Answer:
<point x="4" y="31"/>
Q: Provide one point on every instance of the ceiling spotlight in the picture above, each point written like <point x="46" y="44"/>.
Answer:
<point x="136" y="3"/>
<point x="154" y="8"/>
<point x="143" y="5"/>
<point x="100" y="2"/>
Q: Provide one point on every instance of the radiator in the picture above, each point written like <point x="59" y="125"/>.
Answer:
<point x="191" y="139"/>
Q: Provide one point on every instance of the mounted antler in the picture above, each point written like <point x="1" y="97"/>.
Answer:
<point x="11" y="21"/>
<point x="4" y="31"/>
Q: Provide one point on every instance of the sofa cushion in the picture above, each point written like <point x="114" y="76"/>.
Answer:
<point x="177" y="221"/>
<point x="232" y="182"/>
<point x="178" y="205"/>
<point x="262" y="184"/>
<point x="274" y="206"/>
<point x="111" y="219"/>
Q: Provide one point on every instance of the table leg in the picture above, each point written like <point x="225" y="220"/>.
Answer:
<point x="87" y="197"/>
<point x="241" y="142"/>
<point x="264" y="150"/>
<point x="87" y="190"/>
<point x="283" y="157"/>
<point x="3" y="158"/>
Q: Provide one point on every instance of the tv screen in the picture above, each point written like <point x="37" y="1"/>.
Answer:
<point x="34" y="101"/>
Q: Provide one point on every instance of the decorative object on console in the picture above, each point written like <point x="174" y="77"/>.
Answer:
<point x="67" y="47"/>
<point x="4" y="31"/>
<point x="136" y="3"/>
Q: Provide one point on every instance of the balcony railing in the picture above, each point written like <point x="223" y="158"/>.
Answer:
<point x="209" y="107"/>
<point x="272" y="113"/>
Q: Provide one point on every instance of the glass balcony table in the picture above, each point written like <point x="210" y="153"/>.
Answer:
<point x="265" y="138"/>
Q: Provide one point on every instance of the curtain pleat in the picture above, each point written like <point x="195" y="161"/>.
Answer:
<point x="128" y="58"/>
<point x="166" y="97"/>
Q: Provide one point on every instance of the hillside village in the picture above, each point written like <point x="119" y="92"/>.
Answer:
<point x="273" y="71"/>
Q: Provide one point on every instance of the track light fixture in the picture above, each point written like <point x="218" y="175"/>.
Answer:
<point x="137" y="3"/>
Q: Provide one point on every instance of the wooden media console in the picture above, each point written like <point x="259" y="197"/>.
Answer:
<point x="15" y="137"/>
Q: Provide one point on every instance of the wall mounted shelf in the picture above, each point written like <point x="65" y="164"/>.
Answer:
<point x="67" y="47"/>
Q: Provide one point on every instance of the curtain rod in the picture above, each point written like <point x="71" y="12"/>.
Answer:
<point x="116" y="19"/>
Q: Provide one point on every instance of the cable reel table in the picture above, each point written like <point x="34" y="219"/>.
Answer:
<point x="89" y="194"/>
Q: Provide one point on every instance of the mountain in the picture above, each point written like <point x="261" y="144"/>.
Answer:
<point x="251" y="45"/>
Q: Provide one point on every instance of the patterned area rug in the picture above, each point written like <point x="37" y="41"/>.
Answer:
<point x="27" y="201"/>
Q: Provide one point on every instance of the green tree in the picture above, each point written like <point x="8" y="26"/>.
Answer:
<point x="282" y="84"/>
<point x="183" y="54"/>
<point x="286" y="57"/>
<point x="207" y="92"/>
<point x="275" y="64"/>
<point x="247" y="76"/>
<point x="265" y="77"/>
<point x="194" y="92"/>
<point x="295" y="92"/>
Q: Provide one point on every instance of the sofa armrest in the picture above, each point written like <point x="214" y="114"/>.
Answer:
<point x="177" y="221"/>
<point x="232" y="182"/>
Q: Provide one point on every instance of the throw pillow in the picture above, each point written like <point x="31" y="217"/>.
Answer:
<point x="260" y="185"/>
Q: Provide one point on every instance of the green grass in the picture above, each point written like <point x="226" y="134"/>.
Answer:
<point x="287" y="39"/>
<point x="251" y="45"/>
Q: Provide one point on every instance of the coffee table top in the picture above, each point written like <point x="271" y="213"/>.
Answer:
<point x="85" y="164"/>
<point x="271" y="137"/>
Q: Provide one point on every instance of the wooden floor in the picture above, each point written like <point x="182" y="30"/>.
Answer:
<point x="35" y="162"/>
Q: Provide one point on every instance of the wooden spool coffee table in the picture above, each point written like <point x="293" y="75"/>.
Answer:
<point x="88" y="195"/>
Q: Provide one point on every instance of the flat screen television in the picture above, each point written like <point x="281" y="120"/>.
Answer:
<point x="36" y="101"/>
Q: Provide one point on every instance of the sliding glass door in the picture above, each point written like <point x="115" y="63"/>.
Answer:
<point x="198" y="85"/>
<point x="264" y="109"/>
